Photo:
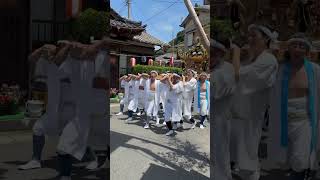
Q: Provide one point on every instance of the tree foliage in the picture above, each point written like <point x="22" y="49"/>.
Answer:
<point x="90" y="23"/>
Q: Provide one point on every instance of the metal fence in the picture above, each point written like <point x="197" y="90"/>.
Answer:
<point x="49" y="31"/>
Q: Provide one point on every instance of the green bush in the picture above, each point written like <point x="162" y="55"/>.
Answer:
<point x="90" y="23"/>
<point x="159" y="69"/>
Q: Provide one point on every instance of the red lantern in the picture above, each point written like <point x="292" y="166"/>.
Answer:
<point x="171" y="61"/>
<point x="132" y="62"/>
<point x="150" y="62"/>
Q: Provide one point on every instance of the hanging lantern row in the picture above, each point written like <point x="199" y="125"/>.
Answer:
<point x="150" y="62"/>
<point x="171" y="61"/>
<point x="132" y="62"/>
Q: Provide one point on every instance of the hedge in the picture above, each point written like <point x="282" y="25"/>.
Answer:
<point x="159" y="69"/>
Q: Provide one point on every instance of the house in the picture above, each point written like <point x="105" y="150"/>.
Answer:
<point x="28" y="24"/>
<point x="128" y="39"/>
<point x="191" y="33"/>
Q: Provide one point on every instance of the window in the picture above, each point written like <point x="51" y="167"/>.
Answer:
<point x="190" y="39"/>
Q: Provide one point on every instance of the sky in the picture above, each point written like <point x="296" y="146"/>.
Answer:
<point x="162" y="17"/>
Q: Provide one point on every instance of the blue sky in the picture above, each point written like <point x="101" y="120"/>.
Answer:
<point x="161" y="20"/>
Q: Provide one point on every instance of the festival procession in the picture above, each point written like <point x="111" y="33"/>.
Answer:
<point x="265" y="104"/>
<point x="176" y="95"/>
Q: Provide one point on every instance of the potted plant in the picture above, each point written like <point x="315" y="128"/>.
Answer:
<point x="113" y="95"/>
<point x="4" y="104"/>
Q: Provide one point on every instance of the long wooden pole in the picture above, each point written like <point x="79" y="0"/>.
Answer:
<point x="197" y="22"/>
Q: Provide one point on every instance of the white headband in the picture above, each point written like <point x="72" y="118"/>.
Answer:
<point x="154" y="72"/>
<point x="218" y="45"/>
<point x="302" y="40"/>
<point x="175" y="74"/>
<point x="273" y="36"/>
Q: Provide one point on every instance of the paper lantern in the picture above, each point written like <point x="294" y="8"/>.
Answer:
<point x="150" y="62"/>
<point x="171" y="61"/>
<point x="160" y="62"/>
<point x="132" y="62"/>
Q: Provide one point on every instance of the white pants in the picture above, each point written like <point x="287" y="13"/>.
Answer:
<point x="141" y="100"/>
<point x="204" y="107"/>
<point x="43" y="127"/>
<point x="299" y="135"/>
<point x="151" y="105"/>
<point x="173" y="112"/>
<point x="187" y="103"/>
<point x="222" y="169"/>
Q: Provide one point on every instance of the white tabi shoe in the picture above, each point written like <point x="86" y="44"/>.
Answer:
<point x="129" y="120"/>
<point x="169" y="133"/>
<point x="119" y="114"/>
<point x="146" y="126"/>
<point x="33" y="164"/>
<point x="93" y="165"/>
<point x="179" y="125"/>
<point x="164" y="123"/>
<point x="174" y="126"/>
<point x="194" y="125"/>
<point x="65" y="178"/>
<point x="157" y="121"/>
<point x="201" y="126"/>
<point x="139" y="114"/>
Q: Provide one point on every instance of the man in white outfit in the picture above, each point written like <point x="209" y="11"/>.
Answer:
<point x="202" y="98"/>
<point x="173" y="112"/>
<point x="152" y="98"/>
<point x="222" y="90"/>
<point x="60" y="104"/>
<point x="294" y="112"/>
<point x="189" y="84"/>
<point x="123" y="81"/>
<point x="255" y="82"/>
<point x="131" y="96"/>
<point x="141" y="105"/>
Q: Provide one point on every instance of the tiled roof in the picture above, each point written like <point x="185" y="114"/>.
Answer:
<point x="147" y="38"/>
<point x="118" y="22"/>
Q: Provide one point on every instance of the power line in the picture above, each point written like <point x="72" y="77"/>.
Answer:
<point x="161" y="11"/>
<point x="162" y="1"/>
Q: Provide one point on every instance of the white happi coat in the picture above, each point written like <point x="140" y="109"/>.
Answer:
<point x="255" y="83"/>
<point x="60" y="106"/>
<point x="173" y="110"/>
<point x="188" y="94"/>
<point x="74" y="137"/>
<point x="132" y="95"/>
<point x="141" y="83"/>
<point x="222" y="89"/>
<point x="152" y="103"/>
<point x="41" y="69"/>
<point x="163" y="94"/>
<point x="123" y="83"/>
<point x="278" y="153"/>
<point x="204" y="107"/>
<point x="99" y="132"/>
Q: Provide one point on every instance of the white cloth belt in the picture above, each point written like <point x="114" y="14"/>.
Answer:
<point x="203" y="96"/>
<point x="297" y="109"/>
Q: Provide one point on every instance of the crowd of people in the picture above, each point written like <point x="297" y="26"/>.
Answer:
<point x="245" y="86"/>
<point x="176" y="95"/>
<point x="75" y="75"/>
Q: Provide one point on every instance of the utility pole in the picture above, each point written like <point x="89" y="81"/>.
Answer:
<point x="129" y="9"/>
<point x="197" y="22"/>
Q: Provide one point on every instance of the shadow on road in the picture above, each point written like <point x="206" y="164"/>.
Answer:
<point x="78" y="172"/>
<point x="184" y="156"/>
